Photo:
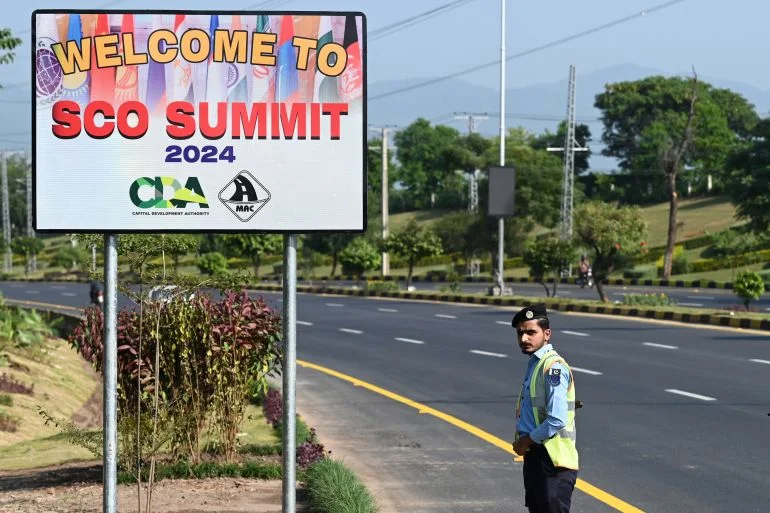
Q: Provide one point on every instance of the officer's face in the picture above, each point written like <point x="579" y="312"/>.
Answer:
<point x="531" y="336"/>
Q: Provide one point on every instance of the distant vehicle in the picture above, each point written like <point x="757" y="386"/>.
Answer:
<point x="586" y="278"/>
<point x="97" y="294"/>
<point x="165" y="293"/>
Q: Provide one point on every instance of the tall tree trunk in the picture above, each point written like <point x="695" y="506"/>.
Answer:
<point x="672" y="212"/>
<point x="256" y="260"/>
<point x="409" y="275"/>
<point x="334" y="263"/>
<point x="600" y="290"/>
<point x="547" y="292"/>
<point x="556" y="281"/>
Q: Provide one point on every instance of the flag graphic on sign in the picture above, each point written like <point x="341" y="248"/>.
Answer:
<point x="351" y="81"/>
<point x="262" y="77"/>
<point x="156" y="76"/>
<point x="287" y="83"/>
<point x="236" y="73"/>
<point x="216" y="83"/>
<point x="102" y="79"/>
<point x="48" y="72"/>
<point x="126" y="77"/>
<point x="181" y="84"/>
<point x="325" y="88"/>
<point x="76" y="87"/>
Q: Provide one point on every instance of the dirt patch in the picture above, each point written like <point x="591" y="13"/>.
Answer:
<point x="225" y="495"/>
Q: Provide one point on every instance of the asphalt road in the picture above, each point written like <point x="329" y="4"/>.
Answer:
<point x="675" y="417"/>
<point x="692" y="297"/>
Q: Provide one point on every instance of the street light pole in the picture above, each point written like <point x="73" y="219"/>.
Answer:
<point x="500" y="222"/>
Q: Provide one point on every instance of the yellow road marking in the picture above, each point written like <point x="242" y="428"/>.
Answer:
<point x="581" y="485"/>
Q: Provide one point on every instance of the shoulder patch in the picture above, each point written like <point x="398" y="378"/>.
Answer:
<point x="554" y="377"/>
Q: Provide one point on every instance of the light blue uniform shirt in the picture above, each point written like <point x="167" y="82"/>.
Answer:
<point x="556" y="401"/>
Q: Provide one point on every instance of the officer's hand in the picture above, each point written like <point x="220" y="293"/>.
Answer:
<point x="521" y="445"/>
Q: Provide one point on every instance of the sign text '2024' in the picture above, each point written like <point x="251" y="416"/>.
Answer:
<point x="193" y="154"/>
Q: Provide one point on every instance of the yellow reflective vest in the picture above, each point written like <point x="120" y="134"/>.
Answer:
<point x="561" y="447"/>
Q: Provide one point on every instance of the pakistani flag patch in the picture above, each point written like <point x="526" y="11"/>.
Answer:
<point x="554" y="377"/>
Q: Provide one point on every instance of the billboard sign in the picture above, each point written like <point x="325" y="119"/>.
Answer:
<point x="162" y="121"/>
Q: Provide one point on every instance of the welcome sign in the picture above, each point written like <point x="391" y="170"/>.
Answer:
<point x="195" y="122"/>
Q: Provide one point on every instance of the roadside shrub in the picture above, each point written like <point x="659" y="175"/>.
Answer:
<point x="70" y="258"/>
<point x="212" y="264"/>
<point x="272" y="407"/>
<point x="23" y="330"/>
<point x="382" y="286"/>
<point x="11" y="385"/>
<point x="212" y="356"/>
<point x="334" y="488"/>
<point x="749" y="286"/>
<point x="310" y="451"/>
<point x="648" y="300"/>
<point x="8" y="423"/>
<point x="6" y="400"/>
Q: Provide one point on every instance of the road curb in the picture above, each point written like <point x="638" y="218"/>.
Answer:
<point x="630" y="282"/>
<point x="553" y="304"/>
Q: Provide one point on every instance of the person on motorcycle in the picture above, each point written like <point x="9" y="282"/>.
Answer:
<point x="97" y="297"/>
<point x="585" y="265"/>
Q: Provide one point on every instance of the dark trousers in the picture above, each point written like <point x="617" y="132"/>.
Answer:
<point x="548" y="488"/>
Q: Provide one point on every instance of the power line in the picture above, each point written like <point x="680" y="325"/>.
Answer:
<point x="413" y="20"/>
<point x="531" y="50"/>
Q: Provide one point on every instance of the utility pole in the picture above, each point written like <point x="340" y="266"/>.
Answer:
<point x="473" y="182"/>
<point x="7" y="262"/>
<point x="30" y="230"/>
<point x="569" y="149"/>
<point x="384" y="208"/>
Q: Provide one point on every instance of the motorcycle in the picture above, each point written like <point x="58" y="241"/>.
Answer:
<point x="586" y="279"/>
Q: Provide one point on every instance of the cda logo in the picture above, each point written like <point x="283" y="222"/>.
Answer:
<point x="154" y="190"/>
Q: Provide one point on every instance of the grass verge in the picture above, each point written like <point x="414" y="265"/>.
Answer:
<point x="334" y="488"/>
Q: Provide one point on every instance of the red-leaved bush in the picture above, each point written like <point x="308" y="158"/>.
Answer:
<point x="272" y="407"/>
<point x="310" y="451"/>
<point x="209" y="353"/>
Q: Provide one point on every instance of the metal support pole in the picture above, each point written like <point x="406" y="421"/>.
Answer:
<point x="501" y="223"/>
<point x="385" y="256"/>
<point x="30" y="230"/>
<point x="8" y="261"/>
<point x="93" y="258"/>
<point x="110" y="502"/>
<point x="289" y="371"/>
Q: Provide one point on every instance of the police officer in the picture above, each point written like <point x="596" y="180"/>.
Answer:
<point x="545" y="417"/>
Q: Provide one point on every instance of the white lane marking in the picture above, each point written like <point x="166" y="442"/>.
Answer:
<point x="711" y="298"/>
<point x="409" y="340"/>
<point x="305" y="323"/>
<point x="484" y="353"/>
<point x="334" y="304"/>
<point x="504" y="323"/>
<point x="586" y="371"/>
<point x="575" y="333"/>
<point x="690" y="394"/>
<point x="69" y="294"/>
<point x="662" y="346"/>
<point x="565" y="292"/>
<point x="32" y="291"/>
<point x="58" y="287"/>
<point x="760" y="361"/>
<point x="445" y="316"/>
<point x="619" y="293"/>
<point x="391" y="310"/>
<point x="690" y="304"/>
<point x="355" y="332"/>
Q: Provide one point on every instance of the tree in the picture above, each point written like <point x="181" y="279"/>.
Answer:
<point x="7" y="44"/>
<point x="413" y="243"/>
<point x="660" y="126"/>
<point x="359" y="256"/>
<point x="331" y="245"/>
<point x="212" y="264"/>
<point x="749" y="179"/>
<point x="548" y="256"/>
<point x="614" y="236"/>
<point x="252" y="246"/>
<point x="457" y="233"/>
<point x="179" y="246"/>
<point x="639" y="115"/>
<point x="26" y="247"/>
<point x="556" y="140"/>
<point x="749" y="286"/>
<point x="69" y="257"/>
<point x="425" y="160"/>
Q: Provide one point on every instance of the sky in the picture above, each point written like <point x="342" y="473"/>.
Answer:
<point x="721" y="39"/>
